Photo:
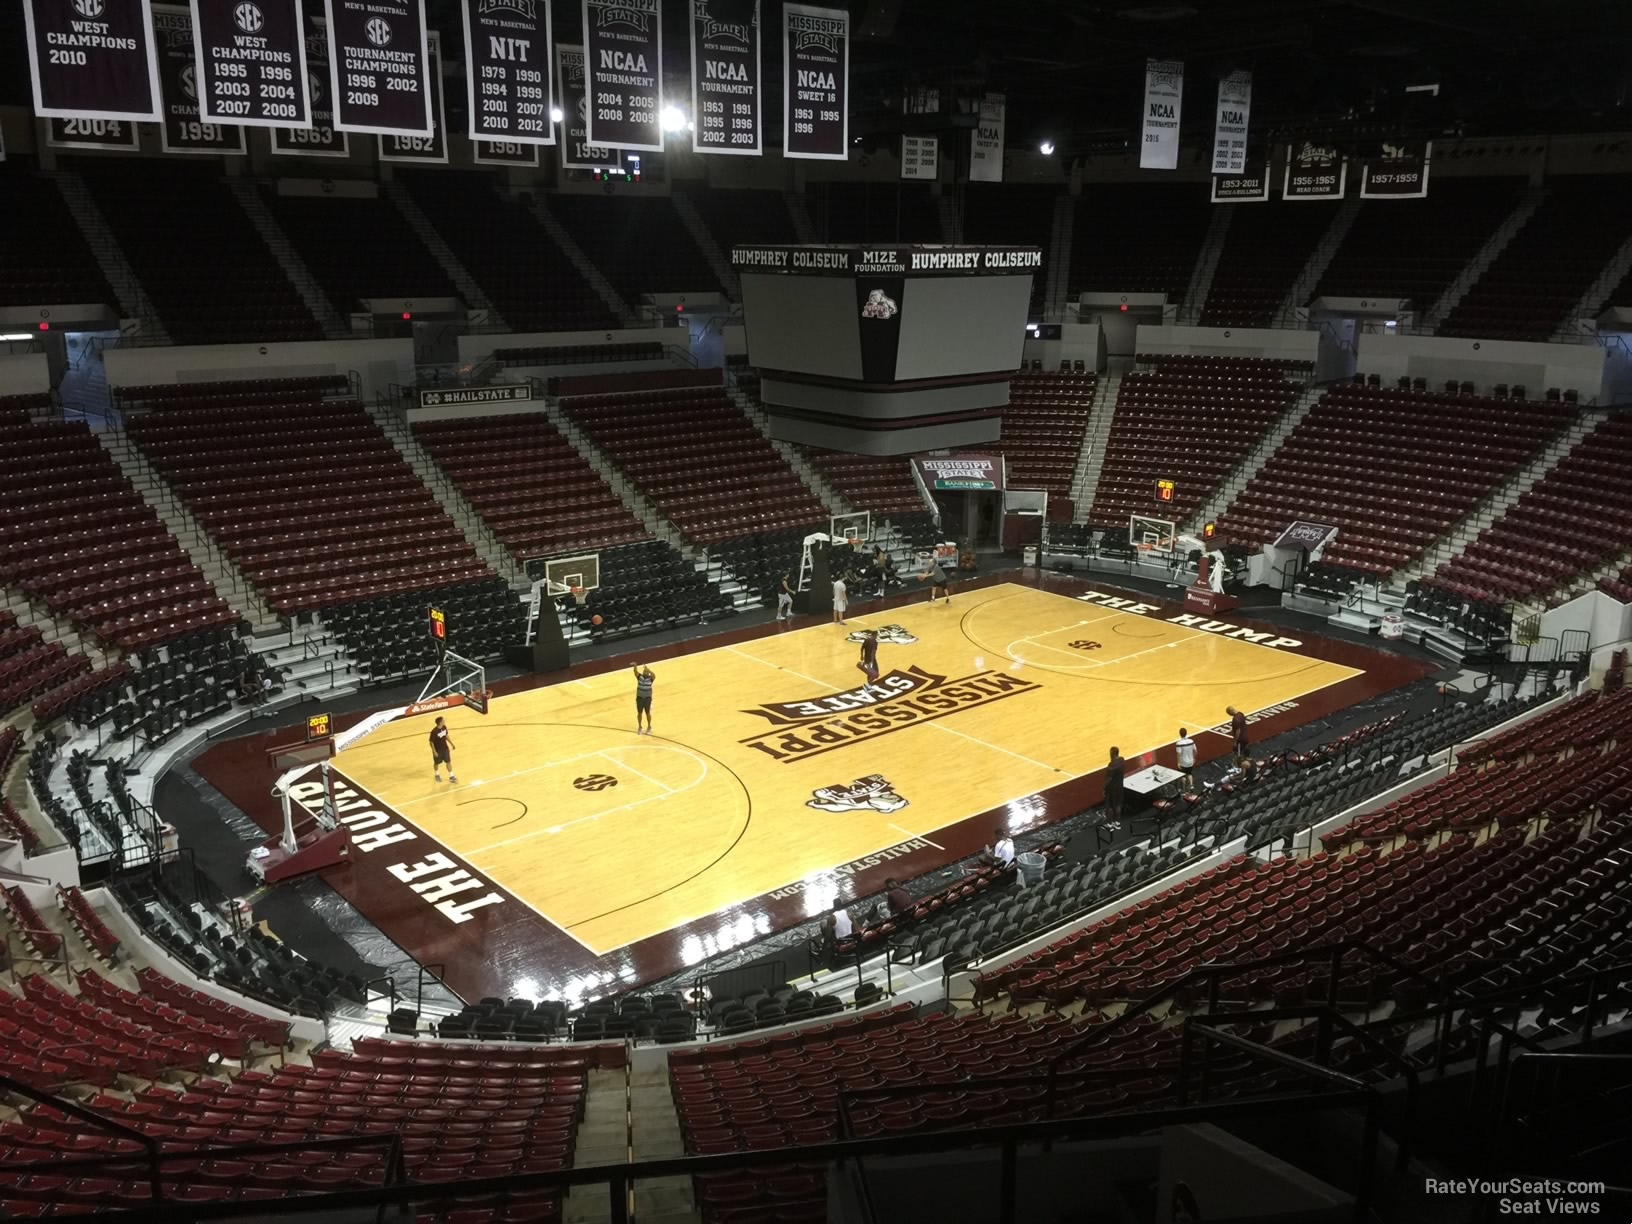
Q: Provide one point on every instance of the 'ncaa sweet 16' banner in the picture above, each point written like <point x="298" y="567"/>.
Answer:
<point x="623" y="63"/>
<point x="815" y="83"/>
<point x="507" y="70"/>
<point x="92" y="59"/>
<point x="380" y="67"/>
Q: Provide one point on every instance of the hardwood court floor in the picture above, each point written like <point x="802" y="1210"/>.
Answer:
<point x="1002" y="693"/>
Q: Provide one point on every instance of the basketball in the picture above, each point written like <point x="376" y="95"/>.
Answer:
<point x="595" y="620"/>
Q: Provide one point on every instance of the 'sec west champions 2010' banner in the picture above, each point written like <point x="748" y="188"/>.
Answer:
<point x="507" y="70"/>
<point x="183" y="130"/>
<point x="251" y="63"/>
<point x="815" y="83"/>
<point x="726" y="102"/>
<point x="322" y="139"/>
<point x="623" y="65"/>
<point x="92" y="59"/>
<point x="379" y="66"/>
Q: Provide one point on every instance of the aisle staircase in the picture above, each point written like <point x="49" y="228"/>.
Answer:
<point x="248" y="192"/>
<point x="456" y="271"/>
<point x="1319" y="260"/>
<point x="1466" y="529"/>
<point x="698" y="229"/>
<point x="1482" y="259"/>
<point x="116" y="269"/>
<point x="1201" y="276"/>
<point x="1244" y="471"/>
<point x="229" y="581"/>
<point x="1582" y="318"/>
<point x="1091" y="457"/>
<point x="476" y="531"/>
<point x="586" y="266"/>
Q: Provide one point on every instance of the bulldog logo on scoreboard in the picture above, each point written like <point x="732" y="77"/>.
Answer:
<point x="874" y="793"/>
<point x="879" y="306"/>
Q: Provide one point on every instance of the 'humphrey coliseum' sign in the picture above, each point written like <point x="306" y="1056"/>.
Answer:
<point x="908" y="260"/>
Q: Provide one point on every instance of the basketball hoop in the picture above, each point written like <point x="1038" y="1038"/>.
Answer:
<point x="578" y="594"/>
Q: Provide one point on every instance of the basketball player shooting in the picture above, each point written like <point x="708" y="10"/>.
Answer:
<point x="939" y="584"/>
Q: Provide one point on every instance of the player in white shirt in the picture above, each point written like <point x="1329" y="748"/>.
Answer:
<point x="841" y="600"/>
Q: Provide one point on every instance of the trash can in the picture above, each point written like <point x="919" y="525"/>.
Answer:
<point x="1028" y="556"/>
<point x="1031" y="868"/>
<point x="1393" y="626"/>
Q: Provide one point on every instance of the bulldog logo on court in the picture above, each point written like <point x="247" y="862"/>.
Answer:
<point x="895" y="635"/>
<point x="595" y="782"/>
<point x="874" y="793"/>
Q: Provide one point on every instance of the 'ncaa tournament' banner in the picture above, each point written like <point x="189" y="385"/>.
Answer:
<point x="322" y="139"/>
<point x="623" y="64"/>
<point x="1164" y="97"/>
<point x="1314" y="172"/>
<point x="251" y="63"/>
<point x="1401" y="173"/>
<point x="379" y="67"/>
<point x="986" y="142"/>
<point x="92" y="59"/>
<point x="727" y="104"/>
<point x="433" y="148"/>
<point x="815" y="83"/>
<point x="183" y="130"/>
<point x="576" y="151"/>
<point x="507" y="71"/>
<point x="1230" y="125"/>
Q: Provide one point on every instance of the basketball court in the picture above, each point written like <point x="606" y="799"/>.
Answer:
<point x="771" y="764"/>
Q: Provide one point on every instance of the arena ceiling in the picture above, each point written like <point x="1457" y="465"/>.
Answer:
<point x="1072" y="69"/>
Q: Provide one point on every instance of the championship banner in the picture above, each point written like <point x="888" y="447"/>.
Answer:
<point x="960" y="472"/>
<point x="1401" y="173"/>
<point x="109" y="134"/>
<point x="251" y="57"/>
<point x="920" y="157"/>
<point x="815" y="83"/>
<point x="507" y="71"/>
<point x="182" y="130"/>
<point x="623" y="61"/>
<point x="576" y="151"/>
<point x="1314" y="172"/>
<point x="1164" y="97"/>
<point x="727" y="104"/>
<point x="379" y="66"/>
<point x="322" y="139"/>
<point x="1241" y="188"/>
<point x="986" y="142"/>
<point x="1230" y="125"/>
<point x="504" y="153"/>
<point x="433" y="148"/>
<point x="92" y="59"/>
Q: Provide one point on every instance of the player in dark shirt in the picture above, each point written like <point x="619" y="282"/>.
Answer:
<point x="897" y="898"/>
<point x="867" y="665"/>
<point x="1113" y="784"/>
<point x="1238" y="732"/>
<point x="442" y="751"/>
